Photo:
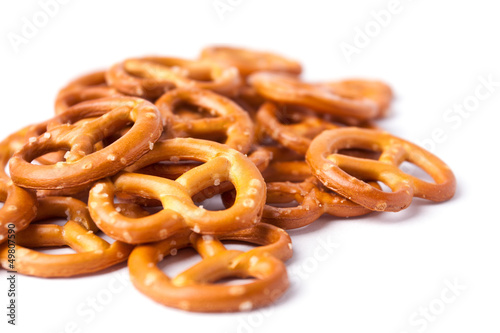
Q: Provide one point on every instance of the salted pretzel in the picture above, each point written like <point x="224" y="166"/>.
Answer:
<point x="83" y="165"/>
<point x="291" y="90"/>
<point x="249" y="61"/>
<point x="291" y="181"/>
<point x="20" y="205"/>
<point x="92" y="252"/>
<point x="227" y="117"/>
<point x="377" y="91"/>
<point x="195" y="289"/>
<point x="87" y="87"/>
<point x="179" y="211"/>
<point x="150" y="77"/>
<point x="259" y="156"/>
<point x="295" y="127"/>
<point x="342" y="173"/>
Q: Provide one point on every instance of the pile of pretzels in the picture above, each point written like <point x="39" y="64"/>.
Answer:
<point x="134" y="150"/>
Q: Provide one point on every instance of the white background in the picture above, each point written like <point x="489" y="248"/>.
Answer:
<point x="386" y="268"/>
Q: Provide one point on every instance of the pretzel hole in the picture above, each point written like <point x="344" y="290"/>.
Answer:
<point x="56" y="220"/>
<point x="177" y="261"/>
<point x="55" y="250"/>
<point x="360" y="152"/>
<point x="209" y="201"/>
<point x="235" y="280"/>
<point x="238" y="245"/>
<point x="383" y="187"/>
<point x="290" y="115"/>
<point x="51" y="158"/>
<point x="416" y="171"/>
<point x="188" y="111"/>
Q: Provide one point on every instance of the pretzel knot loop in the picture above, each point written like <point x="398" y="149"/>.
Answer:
<point x="342" y="173"/>
<point x="179" y="211"/>
<point x="83" y="165"/>
<point x="195" y="288"/>
<point x="93" y="253"/>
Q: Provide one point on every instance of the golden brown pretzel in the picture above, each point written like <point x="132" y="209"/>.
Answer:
<point x="377" y="91"/>
<point x="20" y="205"/>
<point x="228" y="118"/>
<point x="260" y="156"/>
<point x="342" y="173"/>
<point x="179" y="211"/>
<point x="290" y="90"/>
<point x="83" y="165"/>
<point x="249" y="61"/>
<point x="195" y="289"/>
<point x="87" y="87"/>
<point x="294" y="127"/>
<point x="93" y="253"/>
<point x="293" y="181"/>
<point x="150" y="77"/>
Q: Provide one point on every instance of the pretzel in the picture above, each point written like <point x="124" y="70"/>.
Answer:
<point x="290" y="90"/>
<point x="20" y="205"/>
<point x="250" y="61"/>
<point x="87" y="87"/>
<point x="93" y="253"/>
<point x="294" y="127"/>
<point x="229" y="117"/>
<point x="291" y="181"/>
<point x="342" y="173"/>
<point x="150" y="77"/>
<point x="260" y="157"/>
<point x="195" y="289"/>
<point x="83" y="165"/>
<point x="179" y="211"/>
<point x="377" y="91"/>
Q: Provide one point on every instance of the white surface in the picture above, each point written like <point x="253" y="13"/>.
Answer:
<point x="385" y="268"/>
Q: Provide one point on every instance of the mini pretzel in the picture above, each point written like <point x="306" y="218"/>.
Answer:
<point x="290" y="90"/>
<point x="20" y="205"/>
<point x="150" y="77"/>
<point x="195" y="289"/>
<point x="93" y="253"/>
<point x="295" y="128"/>
<point x="250" y="61"/>
<point x="179" y="211"/>
<point x="260" y="157"/>
<point x="312" y="197"/>
<point x="85" y="88"/>
<point x="377" y="91"/>
<point x="83" y="165"/>
<point x="342" y="173"/>
<point x="229" y="117"/>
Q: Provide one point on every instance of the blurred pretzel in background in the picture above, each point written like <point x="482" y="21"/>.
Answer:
<point x="151" y="77"/>
<point x="250" y="61"/>
<point x="87" y="87"/>
<point x="291" y="90"/>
